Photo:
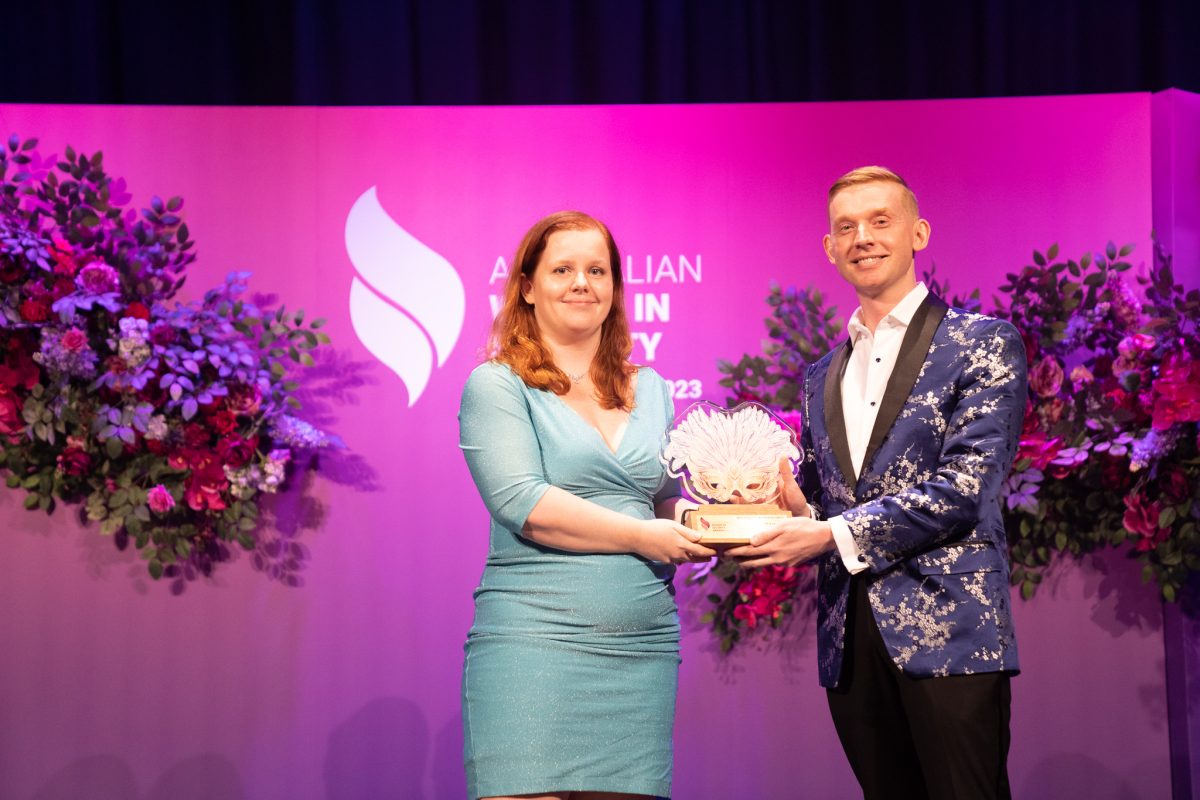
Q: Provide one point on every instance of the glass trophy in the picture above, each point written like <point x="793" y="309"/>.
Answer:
<point x="721" y="455"/>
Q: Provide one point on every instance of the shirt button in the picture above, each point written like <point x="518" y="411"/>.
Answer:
<point x="862" y="559"/>
<point x="878" y="360"/>
<point x="872" y="402"/>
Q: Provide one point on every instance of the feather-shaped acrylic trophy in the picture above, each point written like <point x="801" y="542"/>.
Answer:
<point x="719" y="454"/>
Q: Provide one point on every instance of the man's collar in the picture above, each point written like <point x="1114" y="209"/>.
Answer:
<point x="900" y="315"/>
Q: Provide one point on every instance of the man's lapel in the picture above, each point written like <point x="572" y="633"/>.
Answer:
<point x="913" y="349"/>
<point x="835" y="418"/>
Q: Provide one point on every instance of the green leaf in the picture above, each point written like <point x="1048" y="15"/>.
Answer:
<point x="1039" y="259"/>
<point x="1168" y="593"/>
<point x="156" y="568"/>
<point x="31" y="501"/>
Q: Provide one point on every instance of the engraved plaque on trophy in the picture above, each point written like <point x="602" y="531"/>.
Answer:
<point x="722" y="454"/>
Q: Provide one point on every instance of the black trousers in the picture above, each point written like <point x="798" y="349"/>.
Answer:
<point x="940" y="738"/>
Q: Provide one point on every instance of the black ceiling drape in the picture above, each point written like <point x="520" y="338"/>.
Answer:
<point x="461" y="52"/>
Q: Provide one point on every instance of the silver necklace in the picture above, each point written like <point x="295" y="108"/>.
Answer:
<point x="578" y="379"/>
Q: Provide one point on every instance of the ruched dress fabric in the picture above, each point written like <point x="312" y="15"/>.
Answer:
<point x="572" y="661"/>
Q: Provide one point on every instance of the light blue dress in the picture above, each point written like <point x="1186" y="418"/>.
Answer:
<point x="571" y="664"/>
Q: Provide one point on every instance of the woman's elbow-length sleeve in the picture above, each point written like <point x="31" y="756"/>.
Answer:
<point x="502" y="451"/>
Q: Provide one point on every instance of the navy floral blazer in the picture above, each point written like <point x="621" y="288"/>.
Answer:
<point x="925" y="512"/>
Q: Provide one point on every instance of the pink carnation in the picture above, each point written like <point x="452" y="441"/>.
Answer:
<point x="97" y="278"/>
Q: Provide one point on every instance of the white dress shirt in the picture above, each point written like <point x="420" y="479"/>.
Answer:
<point x="867" y="372"/>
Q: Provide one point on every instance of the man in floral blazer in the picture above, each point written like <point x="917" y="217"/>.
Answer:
<point x="910" y="428"/>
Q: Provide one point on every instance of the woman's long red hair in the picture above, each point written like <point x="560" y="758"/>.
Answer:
<point x="516" y="340"/>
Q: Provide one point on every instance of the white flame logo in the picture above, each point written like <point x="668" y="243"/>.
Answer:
<point x="406" y="303"/>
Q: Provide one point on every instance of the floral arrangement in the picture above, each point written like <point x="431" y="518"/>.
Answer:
<point x="166" y="420"/>
<point x="1109" y="454"/>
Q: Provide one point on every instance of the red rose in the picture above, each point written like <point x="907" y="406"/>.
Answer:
<point x="116" y="365"/>
<point x="196" y="435"/>
<point x="18" y="369"/>
<point x="1114" y="474"/>
<point x="10" y="271"/>
<point x="11" y="423"/>
<point x="74" y="461"/>
<point x="236" y="451"/>
<point x="34" y="311"/>
<point x="156" y="446"/>
<point x="64" y="259"/>
<point x="1032" y="345"/>
<point x="1177" y="391"/>
<point x="222" y="421"/>
<point x="243" y="399"/>
<point x="205" y="486"/>
<point x="61" y="288"/>
<point x="163" y="334"/>
<point x="136" y="309"/>
<point x="1141" y="519"/>
<point x="1176" y="488"/>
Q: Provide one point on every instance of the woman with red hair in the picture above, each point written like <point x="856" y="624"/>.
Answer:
<point x="571" y="663"/>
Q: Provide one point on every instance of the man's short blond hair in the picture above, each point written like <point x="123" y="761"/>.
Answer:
<point x="875" y="174"/>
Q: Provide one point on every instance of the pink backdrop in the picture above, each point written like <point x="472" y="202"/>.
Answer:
<point x="346" y="684"/>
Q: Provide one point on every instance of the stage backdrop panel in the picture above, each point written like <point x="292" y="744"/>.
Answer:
<point x="398" y="226"/>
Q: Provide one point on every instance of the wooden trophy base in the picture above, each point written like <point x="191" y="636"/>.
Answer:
<point x="721" y="523"/>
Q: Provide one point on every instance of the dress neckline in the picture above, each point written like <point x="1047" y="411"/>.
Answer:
<point x="622" y="430"/>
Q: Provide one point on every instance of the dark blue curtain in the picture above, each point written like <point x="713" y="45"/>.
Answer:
<point x="417" y="52"/>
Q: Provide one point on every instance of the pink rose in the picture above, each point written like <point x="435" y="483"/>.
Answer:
<point x="160" y="500"/>
<point x="74" y="341"/>
<point x="1046" y="377"/>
